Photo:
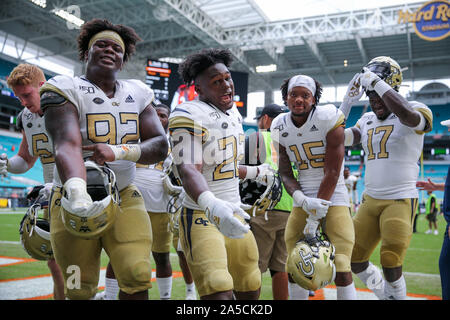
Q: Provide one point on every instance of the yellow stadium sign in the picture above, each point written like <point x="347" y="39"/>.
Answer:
<point x="431" y="21"/>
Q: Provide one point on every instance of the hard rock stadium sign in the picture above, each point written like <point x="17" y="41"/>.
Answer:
<point x="430" y="21"/>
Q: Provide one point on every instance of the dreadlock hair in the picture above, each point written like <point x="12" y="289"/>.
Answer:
<point x="284" y="91"/>
<point x="198" y="62"/>
<point x="91" y="28"/>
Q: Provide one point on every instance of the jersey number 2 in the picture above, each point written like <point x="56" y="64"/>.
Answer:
<point x="218" y="174"/>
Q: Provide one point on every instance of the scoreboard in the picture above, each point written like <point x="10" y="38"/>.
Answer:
<point x="157" y="77"/>
<point x="165" y="81"/>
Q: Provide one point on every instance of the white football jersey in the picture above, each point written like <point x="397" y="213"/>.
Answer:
<point x="106" y="120"/>
<point x="39" y="142"/>
<point x="222" y="146"/>
<point x="392" y="151"/>
<point x="149" y="181"/>
<point x="306" y="146"/>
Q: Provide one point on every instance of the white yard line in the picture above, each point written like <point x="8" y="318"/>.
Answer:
<point x="425" y="275"/>
<point x="331" y="294"/>
<point x="423" y="249"/>
<point x="9" y="242"/>
<point x="34" y="287"/>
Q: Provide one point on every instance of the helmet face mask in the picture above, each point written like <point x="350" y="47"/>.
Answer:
<point x="381" y="69"/>
<point x="388" y="70"/>
<point x="261" y="198"/>
<point x="101" y="186"/>
<point x="311" y="263"/>
<point x="35" y="234"/>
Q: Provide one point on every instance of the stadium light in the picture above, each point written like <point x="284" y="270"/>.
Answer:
<point x="40" y="3"/>
<point x="268" y="68"/>
<point x="171" y="60"/>
<point x="68" y="17"/>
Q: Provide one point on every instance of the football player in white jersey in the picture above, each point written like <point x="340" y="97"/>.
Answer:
<point x="149" y="180"/>
<point x="25" y="81"/>
<point x="152" y="181"/>
<point x="350" y="182"/>
<point x="114" y="123"/>
<point x="392" y="137"/>
<point x="312" y="137"/>
<point x="208" y="144"/>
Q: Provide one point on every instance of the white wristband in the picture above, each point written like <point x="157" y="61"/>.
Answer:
<point x="17" y="165"/>
<point x="130" y="152"/>
<point x="381" y="88"/>
<point x="74" y="183"/>
<point x="298" y="197"/>
<point x="205" y="199"/>
<point x="348" y="137"/>
<point x="252" y="172"/>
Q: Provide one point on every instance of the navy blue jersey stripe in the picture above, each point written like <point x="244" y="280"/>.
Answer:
<point x="181" y="110"/>
<point x="189" y="217"/>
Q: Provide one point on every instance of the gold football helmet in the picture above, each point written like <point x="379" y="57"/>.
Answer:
<point x="101" y="184"/>
<point x="311" y="263"/>
<point x="388" y="70"/>
<point x="35" y="234"/>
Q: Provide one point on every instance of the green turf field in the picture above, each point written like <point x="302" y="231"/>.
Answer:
<point x="420" y="267"/>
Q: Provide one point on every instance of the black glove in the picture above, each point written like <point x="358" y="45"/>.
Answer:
<point x="33" y="194"/>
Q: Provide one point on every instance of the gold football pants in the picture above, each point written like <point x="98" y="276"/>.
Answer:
<point x="391" y="222"/>
<point x="218" y="263"/>
<point x="162" y="236"/>
<point x="337" y="226"/>
<point x="128" y="244"/>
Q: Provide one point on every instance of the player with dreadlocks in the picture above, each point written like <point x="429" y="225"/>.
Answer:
<point x="114" y="123"/>
<point x="208" y="143"/>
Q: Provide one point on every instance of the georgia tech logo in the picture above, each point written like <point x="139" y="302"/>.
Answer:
<point x="431" y="21"/>
<point x="305" y="264"/>
<point x="201" y="221"/>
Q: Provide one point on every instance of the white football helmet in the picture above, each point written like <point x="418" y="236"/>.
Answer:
<point x="311" y="263"/>
<point x="388" y="70"/>
<point x="261" y="198"/>
<point x="101" y="183"/>
<point x="35" y="233"/>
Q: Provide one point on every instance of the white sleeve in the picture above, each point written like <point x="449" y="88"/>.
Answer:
<point x="275" y="131"/>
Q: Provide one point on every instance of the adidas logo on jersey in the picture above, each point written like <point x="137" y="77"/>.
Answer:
<point x="129" y="99"/>
<point x="313" y="128"/>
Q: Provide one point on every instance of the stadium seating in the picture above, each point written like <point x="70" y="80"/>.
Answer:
<point x="10" y="146"/>
<point x="440" y="113"/>
<point x="436" y="172"/>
